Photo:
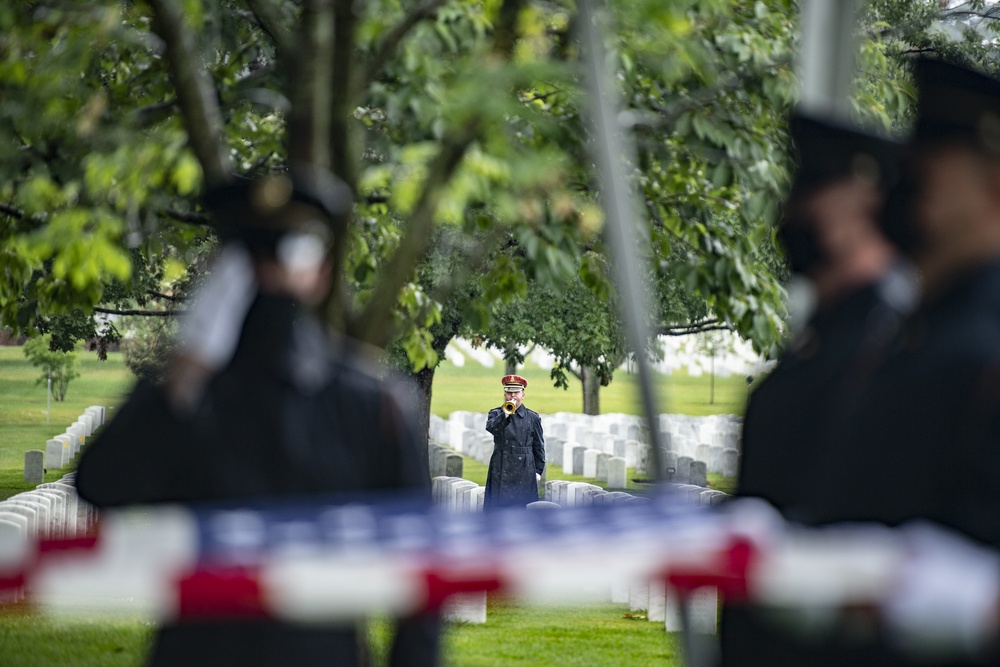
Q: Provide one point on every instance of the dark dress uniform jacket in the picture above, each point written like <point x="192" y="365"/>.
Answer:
<point x="793" y="424"/>
<point x="518" y="453"/>
<point x="922" y="441"/>
<point x="289" y="417"/>
<point x="925" y="443"/>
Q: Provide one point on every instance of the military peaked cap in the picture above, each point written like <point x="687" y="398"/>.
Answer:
<point x="260" y="211"/>
<point x="514" y="383"/>
<point x="826" y="152"/>
<point x="957" y="105"/>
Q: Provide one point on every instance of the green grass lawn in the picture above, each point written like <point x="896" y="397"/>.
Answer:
<point x="515" y="635"/>
<point x="605" y="635"/>
<point x="590" y="636"/>
<point x="476" y="388"/>
<point x="23" y="408"/>
<point x="30" y="640"/>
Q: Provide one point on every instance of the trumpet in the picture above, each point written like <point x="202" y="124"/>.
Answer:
<point x="509" y="407"/>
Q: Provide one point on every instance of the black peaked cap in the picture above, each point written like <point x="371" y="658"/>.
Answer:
<point x="957" y="105"/>
<point x="826" y="152"/>
<point x="259" y="211"/>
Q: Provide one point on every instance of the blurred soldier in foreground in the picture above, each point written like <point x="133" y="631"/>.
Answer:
<point x="833" y="238"/>
<point x="260" y="405"/>
<point x="841" y="259"/>
<point x="925" y="442"/>
<point x="518" y="449"/>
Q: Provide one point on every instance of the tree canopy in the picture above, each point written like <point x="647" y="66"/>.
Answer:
<point x="461" y="128"/>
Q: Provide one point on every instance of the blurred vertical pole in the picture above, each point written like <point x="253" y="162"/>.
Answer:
<point x="611" y="148"/>
<point x="828" y="45"/>
<point x="48" y="398"/>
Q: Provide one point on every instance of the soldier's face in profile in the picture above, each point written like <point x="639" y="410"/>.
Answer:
<point x="844" y="216"/>
<point x="955" y="196"/>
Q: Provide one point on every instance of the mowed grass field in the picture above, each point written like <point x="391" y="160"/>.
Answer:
<point x="515" y="635"/>
<point x="476" y="388"/>
<point x="23" y="408"/>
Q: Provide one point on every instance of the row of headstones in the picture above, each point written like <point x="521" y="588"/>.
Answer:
<point x="590" y="463"/>
<point x="61" y="449"/>
<point x="685" y="431"/>
<point x="722" y="459"/>
<point x="572" y="494"/>
<point x="460" y="495"/>
<point x="687" y="469"/>
<point x="678" y="432"/>
<point x="457" y="494"/>
<point x="471" y="441"/>
<point x="51" y="511"/>
<point x="662" y="605"/>
<point x="443" y="461"/>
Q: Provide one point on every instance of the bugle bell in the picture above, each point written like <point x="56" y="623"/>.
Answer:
<point x="509" y="407"/>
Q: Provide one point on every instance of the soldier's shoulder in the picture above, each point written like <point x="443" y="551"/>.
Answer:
<point x="532" y="413"/>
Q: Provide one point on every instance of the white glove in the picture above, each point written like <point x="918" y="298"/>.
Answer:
<point x="946" y="597"/>
<point x="211" y="327"/>
<point x="538" y="476"/>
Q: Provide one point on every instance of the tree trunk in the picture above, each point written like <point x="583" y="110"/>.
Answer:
<point x="510" y="368"/>
<point x="424" y="380"/>
<point x="591" y="391"/>
<point x="425" y="385"/>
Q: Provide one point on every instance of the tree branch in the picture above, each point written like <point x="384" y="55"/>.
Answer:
<point x="343" y="95"/>
<point x="310" y="70"/>
<point x="391" y="42"/>
<point x="138" y="313"/>
<point x="704" y="96"/>
<point x="370" y="325"/>
<point x="11" y="210"/>
<point x="957" y="14"/>
<point x="195" y="93"/>
<point x="166" y="297"/>
<point x="693" y="328"/>
<point x="267" y="17"/>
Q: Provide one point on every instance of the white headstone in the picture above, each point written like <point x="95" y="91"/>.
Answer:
<point x="43" y="511"/>
<point x="590" y="463"/>
<point x="730" y="462"/>
<point x="70" y="500"/>
<point x="617" y="473"/>
<point x="454" y="493"/>
<point x="602" y="467"/>
<point x="542" y="505"/>
<point x="34" y="466"/>
<point x="30" y="513"/>
<point x="703" y="608"/>
<point x="14" y="547"/>
<point x="466" y="608"/>
<point x="656" y="610"/>
<point x="60" y="523"/>
<point x="577" y="453"/>
<point x="69" y="440"/>
<point x="54" y="454"/>
<point x="638" y="595"/>
<point x="567" y="461"/>
<point x="631" y="453"/>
